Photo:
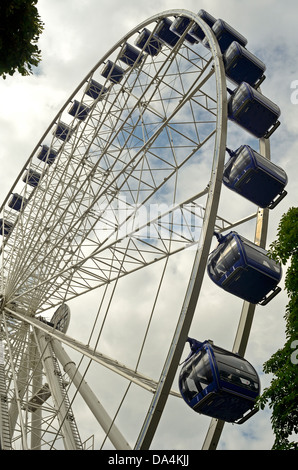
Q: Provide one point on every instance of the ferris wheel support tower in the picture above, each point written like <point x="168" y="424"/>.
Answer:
<point x="148" y="124"/>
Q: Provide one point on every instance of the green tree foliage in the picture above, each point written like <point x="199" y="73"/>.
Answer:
<point x="20" y="28"/>
<point x="282" y="394"/>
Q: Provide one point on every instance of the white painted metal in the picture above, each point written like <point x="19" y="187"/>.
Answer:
<point x="197" y="275"/>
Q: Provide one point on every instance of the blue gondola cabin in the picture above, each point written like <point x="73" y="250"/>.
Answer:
<point x="244" y="269"/>
<point x="79" y="110"/>
<point x="63" y="131"/>
<point x="226" y="34"/>
<point x="164" y="33"/>
<point x="255" y="177"/>
<point x="218" y="383"/>
<point x="96" y="90"/>
<point x="32" y="178"/>
<point x="179" y="26"/>
<point x="196" y="31"/>
<point x="130" y="55"/>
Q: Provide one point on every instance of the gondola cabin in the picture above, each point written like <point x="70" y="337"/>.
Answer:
<point x="179" y="26"/>
<point x="32" y="178"/>
<point x="164" y="33"/>
<point x="255" y="177"/>
<point x="130" y="55"/>
<point x="218" y="383"/>
<point x="63" y="131"/>
<point x="113" y="72"/>
<point x="96" y="90"/>
<point x="47" y="155"/>
<point x="226" y="34"/>
<point x="17" y="202"/>
<point x="5" y="227"/>
<point x="243" y="66"/>
<point x="244" y="269"/>
<point x="253" y="111"/>
<point x="78" y="110"/>
<point x="196" y="31"/>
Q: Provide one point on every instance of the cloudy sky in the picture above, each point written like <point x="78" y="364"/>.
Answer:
<point x="77" y="34"/>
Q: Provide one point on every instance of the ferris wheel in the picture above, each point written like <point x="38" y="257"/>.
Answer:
<point x="123" y="187"/>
